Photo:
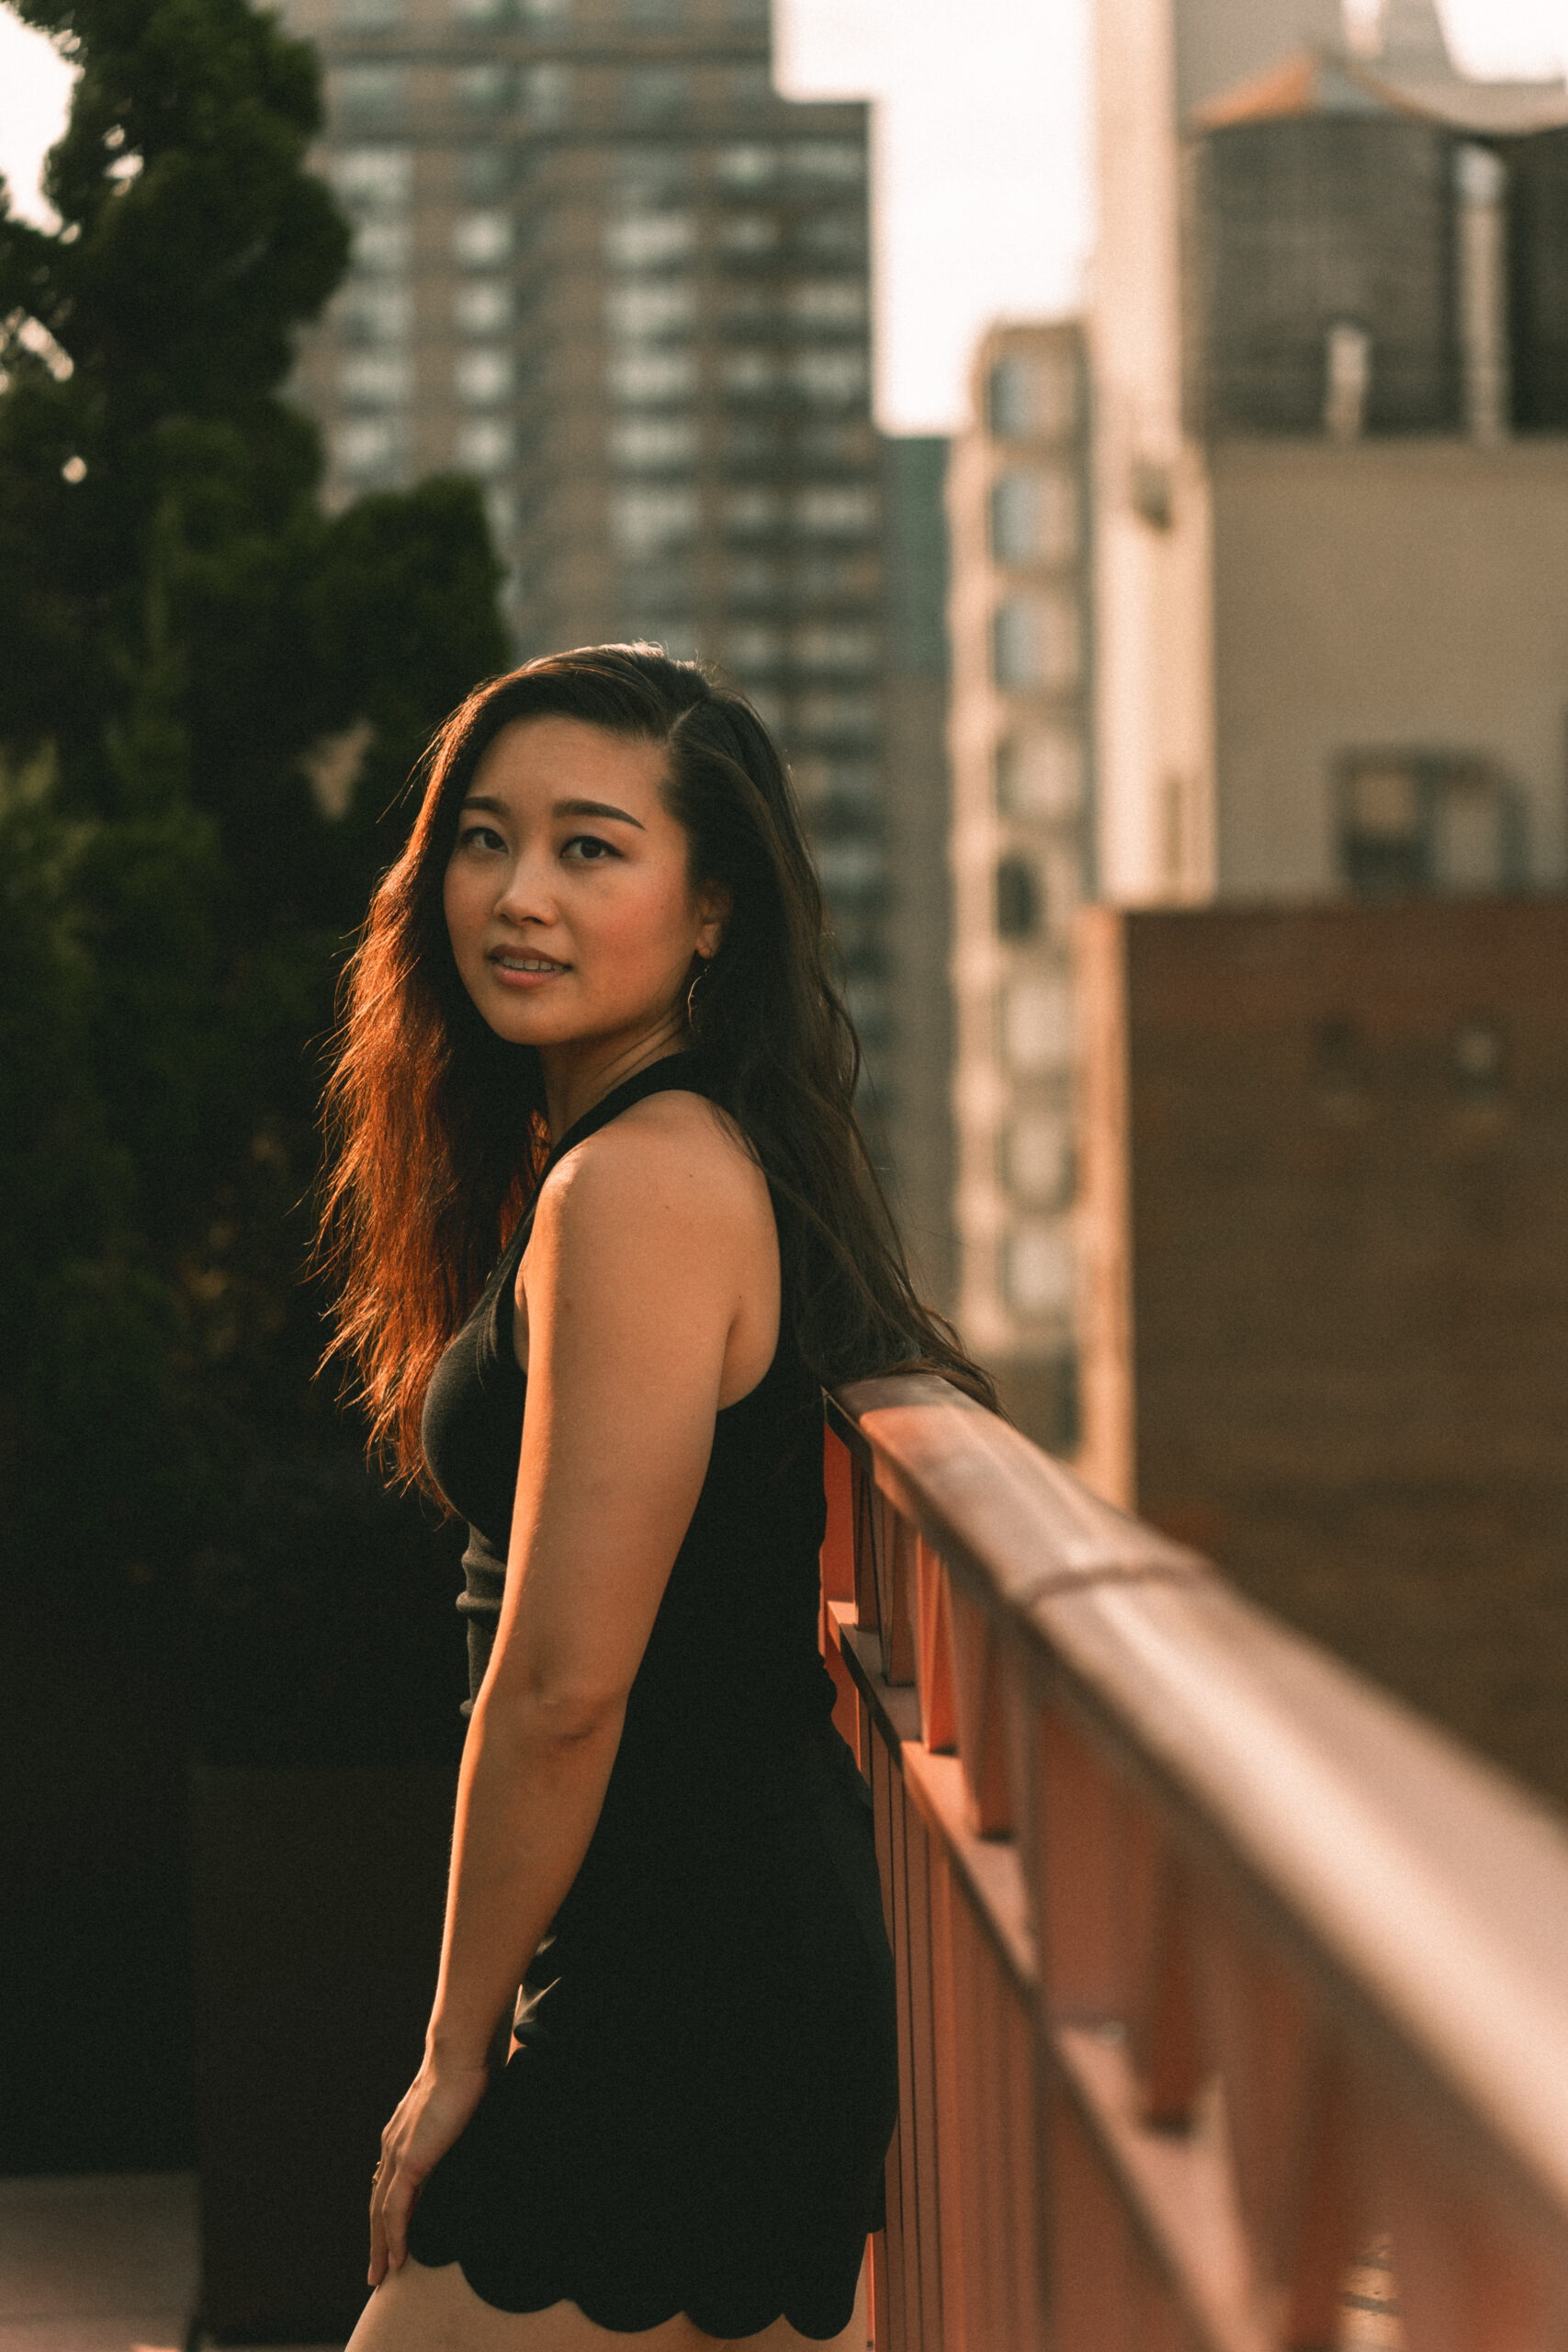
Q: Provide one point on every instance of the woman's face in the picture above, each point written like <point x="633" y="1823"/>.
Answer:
<point x="571" y="914"/>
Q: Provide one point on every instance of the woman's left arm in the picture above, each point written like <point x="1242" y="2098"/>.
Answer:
<point x="635" y="1267"/>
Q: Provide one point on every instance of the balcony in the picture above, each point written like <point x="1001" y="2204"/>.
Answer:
<point x="1230" y="1992"/>
<point x="1231" y="2010"/>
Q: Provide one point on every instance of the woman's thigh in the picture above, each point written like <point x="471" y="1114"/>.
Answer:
<point x="421" y="2310"/>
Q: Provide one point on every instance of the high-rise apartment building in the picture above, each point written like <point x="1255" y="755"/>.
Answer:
<point x="1020" y="614"/>
<point x="600" y="266"/>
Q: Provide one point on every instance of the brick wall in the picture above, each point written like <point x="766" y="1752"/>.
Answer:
<point x="1326" y="1279"/>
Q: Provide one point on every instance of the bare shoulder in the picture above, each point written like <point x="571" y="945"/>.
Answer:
<point x="673" y="1165"/>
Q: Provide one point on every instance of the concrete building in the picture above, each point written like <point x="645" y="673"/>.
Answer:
<point x="1021" y="754"/>
<point x="600" y="266"/>
<point x="1326" y="1179"/>
<point x="915" y="883"/>
<point x="1330" y="357"/>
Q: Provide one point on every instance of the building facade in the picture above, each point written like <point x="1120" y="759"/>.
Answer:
<point x="1020" y="627"/>
<point x="602" y="267"/>
<point x="1332" y="462"/>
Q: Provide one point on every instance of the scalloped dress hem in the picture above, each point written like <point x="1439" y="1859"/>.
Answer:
<point x="616" y="2322"/>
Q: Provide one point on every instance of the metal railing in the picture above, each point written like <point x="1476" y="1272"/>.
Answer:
<point x="1215" y="1966"/>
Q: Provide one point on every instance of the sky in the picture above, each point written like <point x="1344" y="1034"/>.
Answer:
<point x="982" y="156"/>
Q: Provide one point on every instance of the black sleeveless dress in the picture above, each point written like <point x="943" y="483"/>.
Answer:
<point x="706" y="2083"/>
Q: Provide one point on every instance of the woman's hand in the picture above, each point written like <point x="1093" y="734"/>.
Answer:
<point x="430" y="2115"/>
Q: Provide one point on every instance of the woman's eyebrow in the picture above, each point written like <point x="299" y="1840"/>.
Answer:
<point x="597" y="809"/>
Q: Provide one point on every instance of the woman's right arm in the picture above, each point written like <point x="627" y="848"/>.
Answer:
<point x="635" y="1267"/>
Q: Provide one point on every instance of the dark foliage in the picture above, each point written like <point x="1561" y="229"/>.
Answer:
<point x="181" y="628"/>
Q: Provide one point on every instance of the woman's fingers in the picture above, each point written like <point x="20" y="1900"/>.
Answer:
<point x="429" y="2116"/>
<point x="396" y="2207"/>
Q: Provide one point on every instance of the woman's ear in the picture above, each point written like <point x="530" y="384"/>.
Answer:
<point x="715" y="903"/>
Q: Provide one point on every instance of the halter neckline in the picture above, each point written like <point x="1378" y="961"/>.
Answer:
<point x="670" y="1070"/>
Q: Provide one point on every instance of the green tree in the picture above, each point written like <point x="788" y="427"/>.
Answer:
<point x="181" y="628"/>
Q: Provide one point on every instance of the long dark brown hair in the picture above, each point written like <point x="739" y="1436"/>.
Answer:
<point x="436" y="1126"/>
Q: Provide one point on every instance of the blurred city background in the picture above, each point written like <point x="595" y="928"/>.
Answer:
<point x="1123" y="452"/>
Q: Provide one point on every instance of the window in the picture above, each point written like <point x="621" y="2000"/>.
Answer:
<point x="1417" y="821"/>
<point x="367" y="15"/>
<point x="638" y="314"/>
<point x="754" y="578"/>
<point x="367" y="93"/>
<point x="836" y="509"/>
<point x="382" y="245"/>
<point x="481" y="378"/>
<point x="1036" y="1025"/>
<point x="752" y="511"/>
<point x="483" y="89"/>
<point x="649" y="177"/>
<point x="485" y="171"/>
<point x="749" y="373"/>
<point x="1033" y="393"/>
<point x="546" y="94"/>
<point x="373" y="179"/>
<point x="837" y="445"/>
<point x="1034" y="642"/>
<point x="748" y="86"/>
<point x="844" y="713"/>
<point x="819" y="574"/>
<point x="650" y="443"/>
<point x="1037" y="1268"/>
<point x="832" y="161"/>
<point x="501" y="512"/>
<point x="1034" y="515"/>
<point x="368" y="450"/>
<point x="839" y="234"/>
<point x="1039" y="1158"/>
<point x="650" y="240"/>
<point x="482" y="447"/>
<point x="645" y="377"/>
<point x="644" y="521"/>
<point x="829" y="379"/>
<point x="676" y="632"/>
<point x="1039" y="774"/>
<point x="854" y="869"/>
<point x="1347" y="379"/>
<point x="483" y="305"/>
<point x="745" y="166"/>
<point x="827" y="302"/>
<point x="758" y="646"/>
<point x="375" y="309"/>
<point x="654" y="93"/>
<point x="845" y="646"/>
<point x="1018" y="899"/>
<point x="481" y="239"/>
<point x="743" y="236"/>
<point x="374" y="379"/>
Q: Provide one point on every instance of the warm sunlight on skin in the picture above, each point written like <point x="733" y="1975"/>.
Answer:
<point x="572" y="919"/>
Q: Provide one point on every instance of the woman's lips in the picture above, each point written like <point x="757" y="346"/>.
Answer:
<point x="527" y="971"/>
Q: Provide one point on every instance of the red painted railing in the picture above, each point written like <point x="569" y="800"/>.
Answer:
<point x="1216" y="1967"/>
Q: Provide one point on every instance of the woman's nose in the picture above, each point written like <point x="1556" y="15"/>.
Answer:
<point x="525" y="896"/>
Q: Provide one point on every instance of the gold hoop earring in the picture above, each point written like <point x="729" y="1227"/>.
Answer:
<point x="697" y="979"/>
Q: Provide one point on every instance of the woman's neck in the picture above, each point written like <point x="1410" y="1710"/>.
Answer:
<point x="577" y="1076"/>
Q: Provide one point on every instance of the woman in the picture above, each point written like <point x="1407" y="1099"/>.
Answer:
<point x="590" y="1012"/>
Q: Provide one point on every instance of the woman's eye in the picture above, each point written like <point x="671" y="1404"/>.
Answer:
<point x="587" y="849"/>
<point x="480" y="837"/>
